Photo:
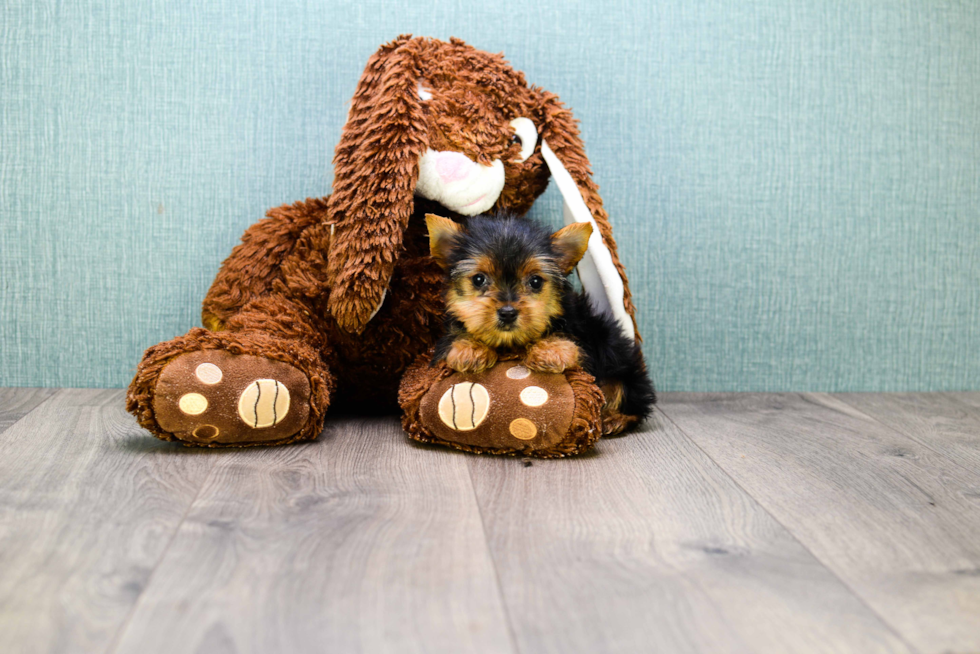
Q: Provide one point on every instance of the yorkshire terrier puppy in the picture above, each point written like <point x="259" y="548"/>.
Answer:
<point x="508" y="292"/>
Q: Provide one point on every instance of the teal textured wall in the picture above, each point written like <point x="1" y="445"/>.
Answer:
<point x="794" y="185"/>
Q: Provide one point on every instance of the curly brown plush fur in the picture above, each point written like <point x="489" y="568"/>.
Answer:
<point x="306" y="284"/>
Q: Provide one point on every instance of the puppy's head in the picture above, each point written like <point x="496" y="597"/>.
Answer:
<point x="507" y="276"/>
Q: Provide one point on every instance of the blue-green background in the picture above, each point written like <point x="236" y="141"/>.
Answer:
<point x="794" y="184"/>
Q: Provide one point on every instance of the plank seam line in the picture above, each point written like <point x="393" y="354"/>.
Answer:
<point x="903" y="434"/>
<point x="117" y="640"/>
<point x="493" y="562"/>
<point x="792" y="535"/>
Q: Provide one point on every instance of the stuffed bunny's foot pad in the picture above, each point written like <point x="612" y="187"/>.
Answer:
<point x="215" y="398"/>
<point x="508" y="409"/>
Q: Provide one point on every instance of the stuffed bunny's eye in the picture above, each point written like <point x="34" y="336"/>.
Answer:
<point x="526" y="134"/>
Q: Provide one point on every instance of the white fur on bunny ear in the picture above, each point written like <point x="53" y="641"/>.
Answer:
<point x="599" y="276"/>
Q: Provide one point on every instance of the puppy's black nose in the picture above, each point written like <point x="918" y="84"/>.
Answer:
<point x="507" y="314"/>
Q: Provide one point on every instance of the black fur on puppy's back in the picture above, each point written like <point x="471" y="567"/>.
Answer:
<point x="609" y="354"/>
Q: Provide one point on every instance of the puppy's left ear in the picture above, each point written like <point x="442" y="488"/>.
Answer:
<point x="600" y="270"/>
<point x="571" y="242"/>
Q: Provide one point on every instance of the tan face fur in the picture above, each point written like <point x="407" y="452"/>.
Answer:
<point x="477" y="306"/>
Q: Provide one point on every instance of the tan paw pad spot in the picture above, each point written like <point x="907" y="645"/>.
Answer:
<point x="464" y="406"/>
<point x="523" y="429"/>
<point x="193" y="404"/>
<point x="208" y="373"/>
<point x="264" y="403"/>
<point x="534" y="396"/>
<point x="206" y="432"/>
<point x="518" y="372"/>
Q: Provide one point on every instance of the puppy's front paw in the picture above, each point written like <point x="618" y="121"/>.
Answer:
<point x="553" y="355"/>
<point x="470" y="356"/>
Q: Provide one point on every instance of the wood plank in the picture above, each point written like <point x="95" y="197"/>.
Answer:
<point x="898" y="523"/>
<point x="647" y="546"/>
<point x="15" y="403"/>
<point x="939" y="421"/>
<point x="359" y="542"/>
<point x="88" y="504"/>
<point x="969" y="398"/>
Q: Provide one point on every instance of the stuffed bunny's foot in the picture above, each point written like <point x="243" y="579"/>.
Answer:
<point x="212" y="396"/>
<point x="508" y="409"/>
<point x="225" y="390"/>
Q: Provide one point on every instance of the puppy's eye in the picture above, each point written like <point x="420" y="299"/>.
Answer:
<point x="479" y="280"/>
<point x="535" y="283"/>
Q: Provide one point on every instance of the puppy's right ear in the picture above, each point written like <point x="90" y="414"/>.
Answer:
<point x="442" y="237"/>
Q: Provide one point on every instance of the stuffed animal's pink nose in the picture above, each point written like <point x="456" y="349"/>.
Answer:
<point x="453" y="166"/>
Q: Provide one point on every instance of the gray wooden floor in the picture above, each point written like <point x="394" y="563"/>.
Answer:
<point x="731" y="523"/>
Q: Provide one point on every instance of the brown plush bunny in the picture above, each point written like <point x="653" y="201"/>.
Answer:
<point x="329" y="301"/>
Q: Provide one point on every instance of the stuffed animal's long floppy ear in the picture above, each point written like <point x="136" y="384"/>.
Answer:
<point x="600" y="270"/>
<point x="376" y="167"/>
